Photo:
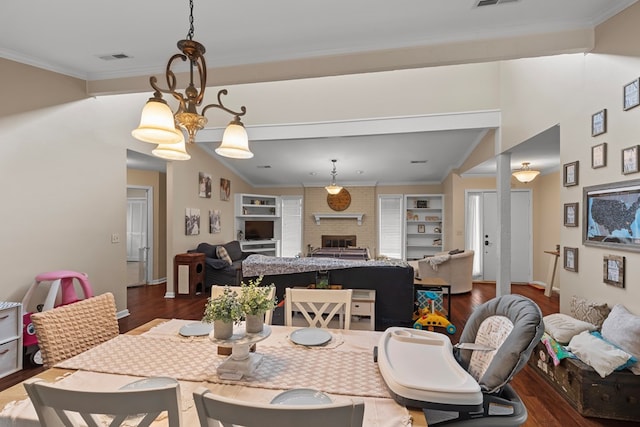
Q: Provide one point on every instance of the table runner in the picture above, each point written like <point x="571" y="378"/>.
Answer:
<point x="348" y="373"/>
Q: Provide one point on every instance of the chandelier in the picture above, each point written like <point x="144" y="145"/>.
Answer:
<point x="525" y="173"/>
<point x="333" y="188"/>
<point x="159" y="125"/>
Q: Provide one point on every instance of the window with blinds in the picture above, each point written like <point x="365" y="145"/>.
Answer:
<point x="390" y="223"/>
<point x="291" y="216"/>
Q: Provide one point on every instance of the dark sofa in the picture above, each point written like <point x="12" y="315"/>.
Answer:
<point x="393" y="286"/>
<point x="218" y="271"/>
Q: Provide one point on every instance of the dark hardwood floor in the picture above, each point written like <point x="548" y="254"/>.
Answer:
<point x="545" y="406"/>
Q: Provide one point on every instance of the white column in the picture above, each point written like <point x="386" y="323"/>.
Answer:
<point x="503" y="187"/>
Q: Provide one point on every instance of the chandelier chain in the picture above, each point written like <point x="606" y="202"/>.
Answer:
<point x="191" y="30"/>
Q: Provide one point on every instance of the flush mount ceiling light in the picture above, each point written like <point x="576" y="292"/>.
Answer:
<point x="525" y="173"/>
<point x="333" y="188"/>
<point x="159" y="125"/>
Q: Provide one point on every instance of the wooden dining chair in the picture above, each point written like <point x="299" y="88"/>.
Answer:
<point x="231" y="412"/>
<point x="68" y="330"/>
<point x="217" y="290"/>
<point x="55" y="405"/>
<point x="322" y="304"/>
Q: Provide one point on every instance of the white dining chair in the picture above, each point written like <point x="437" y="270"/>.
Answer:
<point x="55" y="405"/>
<point x="322" y="304"/>
<point x="231" y="412"/>
<point x="217" y="290"/>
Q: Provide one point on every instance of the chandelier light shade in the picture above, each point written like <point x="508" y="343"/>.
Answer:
<point x="235" y="143"/>
<point x="159" y="125"/>
<point x="525" y="174"/>
<point x="333" y="188"/>
<point x="175" y="151"/>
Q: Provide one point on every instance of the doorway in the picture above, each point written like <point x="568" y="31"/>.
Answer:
<point x="481" y="219"/>
<point x="139" y="235"/>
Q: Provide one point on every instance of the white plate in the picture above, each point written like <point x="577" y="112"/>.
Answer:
<point x="310" y="336"/>
<point x="152" y="382"/>
<point x="197" y="329"/>
<point x="301" y="396"/>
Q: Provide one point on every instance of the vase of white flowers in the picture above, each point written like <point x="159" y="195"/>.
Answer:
<point x="256" y="300"/>
<point x="223" y="311"/>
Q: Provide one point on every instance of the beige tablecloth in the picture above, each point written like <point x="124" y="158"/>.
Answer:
<point x="163" y="352"/>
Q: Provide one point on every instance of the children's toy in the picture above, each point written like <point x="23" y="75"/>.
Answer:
<point x="62" y="291"/>
<point x="427" y="317"/>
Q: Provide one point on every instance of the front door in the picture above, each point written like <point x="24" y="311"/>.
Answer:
<point x="521" y="235"/>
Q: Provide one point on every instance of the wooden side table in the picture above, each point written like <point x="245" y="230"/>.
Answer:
<point x="188" y="274"/>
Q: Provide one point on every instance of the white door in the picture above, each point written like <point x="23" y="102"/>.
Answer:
<point x="521" y="235"/>
<point x="139" y="229"/>
<point x="136" y="227"/>
<point x="291" y="213"/>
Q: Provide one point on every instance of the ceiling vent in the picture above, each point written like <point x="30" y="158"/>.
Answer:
<point x="418" y="162"/>
<point x="114" y="56"/>
<point x="493" y="2"/>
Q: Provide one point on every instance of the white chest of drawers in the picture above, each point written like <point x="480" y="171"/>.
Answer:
<point x="10" y="338"/>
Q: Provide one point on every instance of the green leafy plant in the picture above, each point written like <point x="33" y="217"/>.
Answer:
<point x="255" y="299"/>
<point x="225" y="307"/>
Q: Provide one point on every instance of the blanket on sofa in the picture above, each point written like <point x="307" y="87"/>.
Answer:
<point x="257" y="265"/>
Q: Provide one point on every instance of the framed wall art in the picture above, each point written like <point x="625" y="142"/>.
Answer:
<point x="599" y="156"/>
<point x="613" y="270"/>
<point x="204" y="180"/>
<point x="570" y="174"/>
<point x="192" y="221"/>
<point x="630" y="159"/>
<point x="611" y="215"/>
<point x="421" y="228"/>
<point x="225" y="189"/>
<point x="571" y="259"/>
<point x="599" y="122"/>
<point x="631" y="95"/>
<point x="570" y="214"/>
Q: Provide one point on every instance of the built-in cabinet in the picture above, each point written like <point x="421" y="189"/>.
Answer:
<point x="424" y="225"/>
<point x="258" y="223"/>
<point x="10" y="338"/>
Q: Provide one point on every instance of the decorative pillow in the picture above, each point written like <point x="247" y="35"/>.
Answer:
<point x="222" y="254"/>
<point x="622" y="328"/>
<point x="563" y="327"/>
<point x="597" y="353"/>
<point x="589" y="311"/>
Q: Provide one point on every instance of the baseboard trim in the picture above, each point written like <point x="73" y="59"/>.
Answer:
<point x="123" y="313"/>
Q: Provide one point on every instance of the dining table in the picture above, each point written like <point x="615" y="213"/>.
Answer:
<point x="343" y="369"/>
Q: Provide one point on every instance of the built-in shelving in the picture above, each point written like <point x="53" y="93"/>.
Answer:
<point x="258" y="208"/>
<point x="424" y="225"/>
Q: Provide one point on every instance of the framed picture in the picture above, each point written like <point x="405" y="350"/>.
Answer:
<point x="599" y="156"/>
<point x="630" y="159"/>
<point x="571" y="259"/>
<point x="225" y="189"/>
<point x="192" y="221"/>
<point x="421" y="228"/>
<point x="214" y="221"/>
<point x="599" y="122"/>
<point x="631" y="96"/>
<point x="570" y="214"/>
<point x="609" y="215"/>
<point x="613" y="270"/>
<point x="204" y="181"/>
<point x="422" y="203"/>
<point x="570" y="174"/>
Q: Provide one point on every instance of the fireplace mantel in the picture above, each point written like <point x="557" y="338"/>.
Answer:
<point x="356" y="216"/>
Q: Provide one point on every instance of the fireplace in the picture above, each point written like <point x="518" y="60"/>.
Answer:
<point x="338" y="241"/>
